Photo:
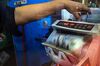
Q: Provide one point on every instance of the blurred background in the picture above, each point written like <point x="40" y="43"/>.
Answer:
<point x="88" y="2"/>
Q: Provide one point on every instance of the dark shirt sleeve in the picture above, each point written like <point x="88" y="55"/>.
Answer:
<point x="7" y="15"/>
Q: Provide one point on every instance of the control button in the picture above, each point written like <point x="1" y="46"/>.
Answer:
<point x="72" y="25"/>
<point x="80" y="26"/>
<point x="84" y="28"/>
<point x="76" y="26"/>
<point x="66" y="24"/>
<point x="89" y="27"/>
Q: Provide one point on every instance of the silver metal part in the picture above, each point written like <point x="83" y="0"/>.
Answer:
<point x="61" y="37"/>
<point x="63" y="43"/>
<point x="66" y="44"/>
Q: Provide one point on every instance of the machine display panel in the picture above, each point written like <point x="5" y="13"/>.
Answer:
<point x="74" y="25"/>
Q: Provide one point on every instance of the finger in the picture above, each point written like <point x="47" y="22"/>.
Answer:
<point x="84" y="8"/>
<point x="77" y="15"/>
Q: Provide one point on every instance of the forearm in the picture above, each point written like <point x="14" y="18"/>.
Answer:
<point x="28" y="13"/>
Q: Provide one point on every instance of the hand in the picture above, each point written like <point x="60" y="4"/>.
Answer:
<point x="75" y="7"/>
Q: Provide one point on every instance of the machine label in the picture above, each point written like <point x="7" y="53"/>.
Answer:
<point x="74" y="25"/>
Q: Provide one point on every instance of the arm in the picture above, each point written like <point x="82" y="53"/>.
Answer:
<point x="36" y="11"/>
<point x="28" y="13"/>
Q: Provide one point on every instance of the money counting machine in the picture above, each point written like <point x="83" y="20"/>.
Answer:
<point x="74" y="43"/>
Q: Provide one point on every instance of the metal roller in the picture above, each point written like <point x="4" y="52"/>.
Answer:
<point x="53" y="40"/>
<point x="66" y="42"/>
<point x="61" y="40"/>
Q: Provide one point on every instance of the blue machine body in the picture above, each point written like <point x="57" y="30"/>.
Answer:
<point x="35" y="51"/>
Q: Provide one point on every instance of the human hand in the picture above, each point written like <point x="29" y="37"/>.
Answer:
<point x="75" y="8"/>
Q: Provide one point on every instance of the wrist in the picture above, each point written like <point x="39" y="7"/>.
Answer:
<point x="65" y="3"/>
<point x="59" y="5"/>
